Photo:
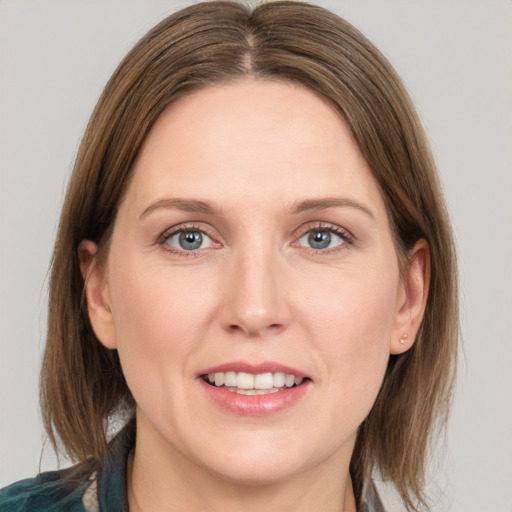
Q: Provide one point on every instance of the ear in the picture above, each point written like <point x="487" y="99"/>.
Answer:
<point x="412" y="298"/>
<point x="97" y="294"/>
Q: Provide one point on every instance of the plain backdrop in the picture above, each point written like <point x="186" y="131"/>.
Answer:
<point x="455" y="57"/>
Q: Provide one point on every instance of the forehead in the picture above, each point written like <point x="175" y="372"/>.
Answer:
<point x="258" y="140"/>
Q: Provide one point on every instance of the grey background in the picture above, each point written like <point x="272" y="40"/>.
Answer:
<point x="455" y="57"/>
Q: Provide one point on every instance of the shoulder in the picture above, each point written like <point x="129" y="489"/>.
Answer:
<point x="48" y="492"/>
<point x="87" y="487"/>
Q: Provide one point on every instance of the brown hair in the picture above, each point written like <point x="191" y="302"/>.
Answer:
<point x="82" y="385"/>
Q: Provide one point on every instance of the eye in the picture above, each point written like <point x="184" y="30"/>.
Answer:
<point x="321" y="239"/>
<point x="188" y="240"/>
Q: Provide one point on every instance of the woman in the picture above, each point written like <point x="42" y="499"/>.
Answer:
<point x="255" y="265"/>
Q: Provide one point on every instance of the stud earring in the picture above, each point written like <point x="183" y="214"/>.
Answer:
<point x="403" y="339"/>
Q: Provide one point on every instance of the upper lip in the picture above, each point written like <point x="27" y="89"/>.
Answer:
<point x="254" y="368"/>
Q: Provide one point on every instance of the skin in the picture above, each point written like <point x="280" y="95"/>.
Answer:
<point x="255" y="291"/>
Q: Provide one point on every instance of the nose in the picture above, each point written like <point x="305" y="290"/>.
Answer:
<point x="254" y="298"/>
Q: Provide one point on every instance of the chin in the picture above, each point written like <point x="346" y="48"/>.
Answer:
<point x="266" y="460"/>
<point x="259" y="471"/>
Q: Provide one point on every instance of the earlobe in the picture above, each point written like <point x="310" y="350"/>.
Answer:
<point x="97" y="294"/>
<point x="413" y="300"/>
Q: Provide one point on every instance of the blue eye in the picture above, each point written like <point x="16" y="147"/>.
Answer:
<point x="189" y="240"/>
<point x="321" y="239"/>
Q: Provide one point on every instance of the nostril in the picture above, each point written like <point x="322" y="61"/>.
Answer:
<point x="254" y="331"/>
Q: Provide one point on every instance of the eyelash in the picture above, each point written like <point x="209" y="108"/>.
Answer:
<point x="345" y="235"/>
<point x="325" y="227"/>
<point x="191" y="228"/>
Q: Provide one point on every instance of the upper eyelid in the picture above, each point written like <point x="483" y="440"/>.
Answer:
<point x="324" y="226"/>
<point x="184" y="227"/>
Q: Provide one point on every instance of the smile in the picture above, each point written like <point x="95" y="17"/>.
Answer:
<point x="254" y="389"/>
<point x="245" y="383"/>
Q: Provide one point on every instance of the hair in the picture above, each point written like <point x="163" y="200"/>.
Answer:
<point x="82" y="383"/>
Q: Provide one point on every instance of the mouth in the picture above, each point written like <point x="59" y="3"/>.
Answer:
<point x="244" y="383"/>
<point x="254" y="389"/>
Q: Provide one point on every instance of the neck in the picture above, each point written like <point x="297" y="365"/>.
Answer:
<point x="163" y="479"/>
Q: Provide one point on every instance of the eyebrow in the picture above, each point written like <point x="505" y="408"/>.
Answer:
<point x="329" y="202"/>
<point x="209" y="208"/>
<point x="185" y="205"/>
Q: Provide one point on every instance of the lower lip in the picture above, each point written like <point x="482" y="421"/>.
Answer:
<point x="255" y="405"/>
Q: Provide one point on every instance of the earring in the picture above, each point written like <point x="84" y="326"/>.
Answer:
<point x="403" y="339"/>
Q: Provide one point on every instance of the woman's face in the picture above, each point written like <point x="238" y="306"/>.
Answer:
<point x="252" y="244"/>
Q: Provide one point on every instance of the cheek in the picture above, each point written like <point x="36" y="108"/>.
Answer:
<point x="352" y="319"/>
<point x="156" y="329"/>
<point x="153" y="307"/>
<point x="356" y="308"/>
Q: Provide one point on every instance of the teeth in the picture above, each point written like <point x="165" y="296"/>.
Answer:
<point x="244" y="381"/>
<point x="230" y="379"/>
<point x="263" y="381"/>
<point x="279" y="380"/>
<point x="254" y="391"/>
<point x="219" y="379"/>
<point x="249" y="384"/>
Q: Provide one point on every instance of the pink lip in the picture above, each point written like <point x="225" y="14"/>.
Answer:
<point x="263" y="367"/>
<point x="254" y="405"/>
